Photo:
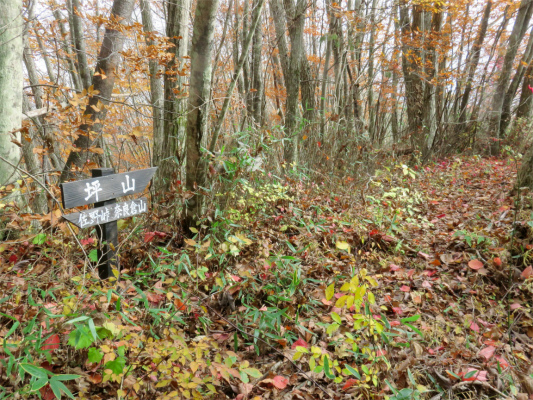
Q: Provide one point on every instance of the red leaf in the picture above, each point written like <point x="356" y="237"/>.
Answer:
<point x="13" y="258"/>
<point x="474" y="327"/>
<point x="349" y="383"/>
<point x="300" y="342"/>
<point x="487" y="352"/>
<point x="154" y="297"/>
<point x="528" y="272"/>
<point x="405" y="288"/>
<point x="503" y="362"/>
<point x="424" y="255"/>
<point x="85" y="242"/>
<point x="394" y="267"/>
<point x="149" y="236"/>
<point x="397" y="310"/>
<point x="51" y="343"/>
<point x="441" y="216"/>
<point x="475" y="264"/>
<point x="235" y="278"/>
<point x="479" y="376"/>
<point x="515" y="306"/>
<point x="498" y="262"/>
<point x="47" y="393"/>
<point x="395" y="323"/>
<point x="280" y="382"/>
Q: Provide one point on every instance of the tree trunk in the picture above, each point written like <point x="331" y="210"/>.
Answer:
<point x="200" y="87"/>
<point x="257" y="79"/>
<point x="296" y="17"/>
<point x="107" y="67"/>
<point x="156" y="89"/>
<point x="524" y="105"/>
<point x="11" y="81"/>
<point x="513" y="87"/>
<point x="474" y="61"/>
<point x="175" y="95"/>
<point x="75" y="78"/>
<point x="430" y="100"/>
<point x="79" y="43"/>
<point x="414" y="86"/>
<point x="519" y="29"/>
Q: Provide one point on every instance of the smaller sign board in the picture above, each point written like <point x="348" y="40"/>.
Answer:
<point x="105" y="214"/>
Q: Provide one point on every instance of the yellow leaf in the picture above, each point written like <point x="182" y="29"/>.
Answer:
<point x="343" y="246"/>
<point x="193" y="230"/>
<point x="371" y="298"/>
<point x="190" y="242"/>
<point x="330" y="291"/>
<point x="341" y="301"/>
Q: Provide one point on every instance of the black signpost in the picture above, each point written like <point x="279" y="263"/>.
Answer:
<point x="102" y="190"/>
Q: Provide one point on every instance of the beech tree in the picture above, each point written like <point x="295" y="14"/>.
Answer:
<point x="11" y="82"/>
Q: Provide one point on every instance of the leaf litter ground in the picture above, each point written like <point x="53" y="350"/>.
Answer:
<point x="412" y="284"/>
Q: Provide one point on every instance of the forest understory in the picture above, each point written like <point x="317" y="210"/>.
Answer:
<point x="411" y="284"/>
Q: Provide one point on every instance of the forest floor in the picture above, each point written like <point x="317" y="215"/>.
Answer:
<point x="407" y="284"/>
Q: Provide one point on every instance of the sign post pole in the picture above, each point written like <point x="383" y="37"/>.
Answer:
<point x="107" y="234"/>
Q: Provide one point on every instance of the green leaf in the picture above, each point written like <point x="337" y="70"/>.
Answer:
<point x="254" y="373"/>
<point x="327" y="371"/>
<point x="39" y="239"/>
<point x="65" y="377"/>
<point x="93" y="255"/>
<point x="471" y="374"/>
<point x="117" y="366"/>
<point x="95" y="355"/>
<point x="93" y="329"/>
<point x="414" y="329"/>
<point x="58" y="387"/>
<point x="412" y="318"/>
<point x="330" y="291"/>
<point x="33" y="370"/>
<point x="353" y="371"/>
<point x="82" y="318"/>
<point x="336" y="317"/>
<point x="80" y="338"/>
<point x="39" y="383"/>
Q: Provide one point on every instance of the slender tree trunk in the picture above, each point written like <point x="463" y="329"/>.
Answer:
<point x="257" y="79"/>
<point x="526" y="97"/>
<point x="11" y="81"/>
<point x="200" y="87"/>
<point x="96" y="110"/>
<point x="513" y="87"/>
<point x="79" y="43"/>
<point x="75" y="78"/>
<point x="372" y="43"/>
<point x="474" y="61"/>
<point x="156" y="89"/>
<point x="38" y="204"/>
<point x="323" y="95"/>
<point x="519" y="29"/>
<point x="239" y="66"/>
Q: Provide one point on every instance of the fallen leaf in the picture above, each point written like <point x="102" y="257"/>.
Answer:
<point x="280" y="382"/>
<point x="475" y="264"/>
<point x="300" y="342"/>
<point x="349" y="383"/>
<point x="487" y="352"/>
<point x="51" y="343"/>
<point x="527" y="273"/>
<point x="405" y="288"/>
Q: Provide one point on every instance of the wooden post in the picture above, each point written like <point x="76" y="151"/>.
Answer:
<point x="107" y="234"/>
